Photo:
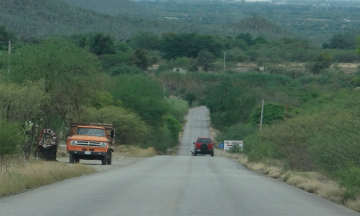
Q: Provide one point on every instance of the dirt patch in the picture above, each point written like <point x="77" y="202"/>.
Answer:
<point x="347" y="67"/>
<point x="118" y="160"/>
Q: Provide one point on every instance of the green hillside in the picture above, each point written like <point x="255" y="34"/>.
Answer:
<point x="30" y="19"/>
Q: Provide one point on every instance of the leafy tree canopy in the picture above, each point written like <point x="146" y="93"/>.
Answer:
<point x="67" y="71"/>
<point x="101" y="44"/>
<point x="188" y="45"/>
<point x="324" y="61"/>
<point x="273" y="112"/>
<point x="140" y="59"/>
<point x="205" y="59"/>
<point x="142" y="95"/>
<point x="5" y="37"/>
<point x="228" y="103"/>
<point x="144" y="40"/>
<point x="246" y="37"/>
<point x="342" y="41"/>
<point x="97" y="43"/>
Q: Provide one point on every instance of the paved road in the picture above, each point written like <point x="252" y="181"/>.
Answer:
<point x="197" y="125"/>
<point x="173" y="185"/>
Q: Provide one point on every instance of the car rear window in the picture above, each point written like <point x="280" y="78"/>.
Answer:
<point x="204" y="140"/>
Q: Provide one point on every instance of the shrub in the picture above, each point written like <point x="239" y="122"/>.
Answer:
<point x="350" y="179"/>
<point x="292" y="139"/>
<point x="178" y="109"/>
<point x="174" y="126"/>
<point x="125" y="70"/>
<point x="258" y="149"/>
<point x="237" y="131"/>
<point x="273" y="113"/>
<point x="11" y="137"/>
<point x="130" y="129"/>
<point x="190" y="97"/>
<point x="235" y="149"/>
<point x="161" y="139"/>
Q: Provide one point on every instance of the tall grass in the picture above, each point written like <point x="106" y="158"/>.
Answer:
<point x="17" y="175"/>
<point x="136" y="151"/>
<point x="311" y="182"/>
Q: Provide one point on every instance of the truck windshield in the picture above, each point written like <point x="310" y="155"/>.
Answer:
<point x="90" y="132"/>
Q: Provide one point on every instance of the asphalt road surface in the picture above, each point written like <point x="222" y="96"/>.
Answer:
<point x="172" y="185"/>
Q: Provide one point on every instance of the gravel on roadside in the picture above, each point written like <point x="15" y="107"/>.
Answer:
<point x="118" y="160"/>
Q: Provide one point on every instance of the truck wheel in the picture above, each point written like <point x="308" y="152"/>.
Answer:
<point x="103" y="160"/>
<point x="77" y="160"/>
<point x="71" y="158"/>
<point x="109" y="158"/>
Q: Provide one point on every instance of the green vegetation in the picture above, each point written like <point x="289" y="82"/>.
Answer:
<point x="61" y="80"/>
<point x="10" y="138"/>
<point x="89" y="67"/>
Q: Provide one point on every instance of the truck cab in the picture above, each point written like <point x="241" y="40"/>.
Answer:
<point x="94" y="141"/>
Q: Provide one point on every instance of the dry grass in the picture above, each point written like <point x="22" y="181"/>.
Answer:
<point x="258" y="167"/>
<point x="135" y="151"/>
<point x="353" y="204"/>
<point x="274" y="172"/>
<point x="17" y="175"/>
<point x="242" y="159"/>
<point x="61" y="152"/>
<point x="311" y="182"/>
<point x="234" y="156"/>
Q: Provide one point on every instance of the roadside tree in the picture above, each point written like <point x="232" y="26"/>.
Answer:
<point x="6" y="36"/>
<point x="67" y="72"/>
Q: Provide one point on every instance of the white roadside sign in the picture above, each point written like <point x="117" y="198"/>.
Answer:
<point x="230" y="143"/>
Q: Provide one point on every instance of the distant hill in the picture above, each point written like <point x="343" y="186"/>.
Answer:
<point x="111" y="7"/>
<point x="42" y="18"/>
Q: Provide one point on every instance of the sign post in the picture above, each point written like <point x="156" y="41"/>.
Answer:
<point x="221" y="147"/>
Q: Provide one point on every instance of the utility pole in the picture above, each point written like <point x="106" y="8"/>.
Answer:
<point x="9" y="51"/>
<point x="164" y="90"/>
<point x="224" y="60"/>
<point x="262" y="113"/>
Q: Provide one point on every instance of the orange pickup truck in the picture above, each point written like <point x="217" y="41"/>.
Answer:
<point x="94" y="141"/>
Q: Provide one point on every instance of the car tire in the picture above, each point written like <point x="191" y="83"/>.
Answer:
<point x="71" y="158"/>
<point x="212" y="153"/>
<point x="104" y="160"/>
<point x="109" y="158"/>
<point x="195" y="153"/>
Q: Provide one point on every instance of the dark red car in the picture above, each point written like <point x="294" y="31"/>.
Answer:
<point x="204" y="145"/>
